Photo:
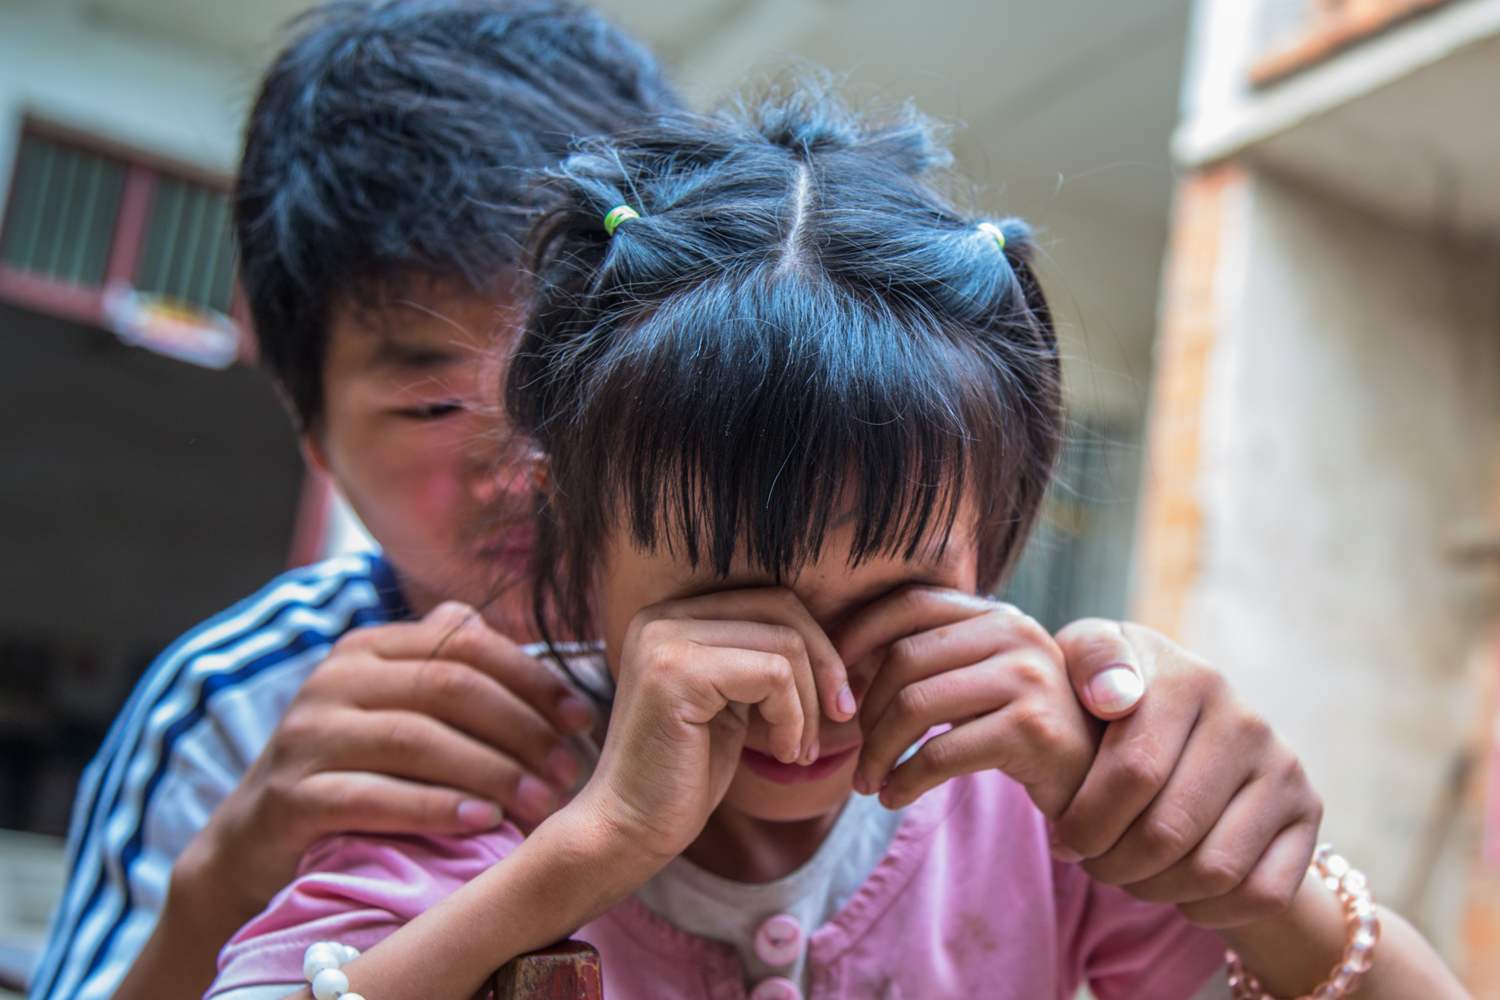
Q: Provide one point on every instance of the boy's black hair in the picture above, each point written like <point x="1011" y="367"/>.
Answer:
<point x="397" y="139"/>
<point x="796" y="327"/>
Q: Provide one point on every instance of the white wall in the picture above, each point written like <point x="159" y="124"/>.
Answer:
<point x="61" y="62"/>
<point x="1355" y="401"/>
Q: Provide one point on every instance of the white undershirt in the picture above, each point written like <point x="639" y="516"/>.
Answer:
<point x="721" y="909"/>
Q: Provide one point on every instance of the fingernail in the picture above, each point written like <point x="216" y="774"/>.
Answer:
<point x="860" y="784"/>
<point x="845" y="701"/>
<point x="576" y="713"/>
<point x="1116" y="688"/>
<point x="563" y="766"/>
<point x="534" y="798"/>
<point x="812" y="752"/>
<point x="478" y="815"/>
<point x="1066" y="855"/>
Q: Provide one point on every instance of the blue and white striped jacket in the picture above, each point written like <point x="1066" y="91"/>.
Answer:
<point x="195" y="722"/>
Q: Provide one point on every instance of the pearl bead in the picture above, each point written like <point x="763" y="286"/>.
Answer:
<point x="353" y="996"/>
<point x="320" y="956"/>
<point x="349" y="952"/>
<point x="330" y="984"/>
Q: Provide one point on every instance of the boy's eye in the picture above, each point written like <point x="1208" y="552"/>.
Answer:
<point x="431" y="411"/>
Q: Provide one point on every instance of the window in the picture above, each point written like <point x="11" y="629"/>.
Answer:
<point x="1077" y="559"/>
<point x="84" y="218"/>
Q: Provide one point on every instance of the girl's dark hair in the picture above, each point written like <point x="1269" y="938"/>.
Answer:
<point x="797" y="327"/>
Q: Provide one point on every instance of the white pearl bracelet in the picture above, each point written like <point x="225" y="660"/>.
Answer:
<point x="1364" y="931"/>
<point x="321" y="966"/>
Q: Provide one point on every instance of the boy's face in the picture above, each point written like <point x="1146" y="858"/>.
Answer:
<point x="413" y="433"/>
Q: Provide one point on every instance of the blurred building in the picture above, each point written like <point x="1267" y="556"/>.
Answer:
<point x="1323" y="475"/>
<point x="150" y="476"/>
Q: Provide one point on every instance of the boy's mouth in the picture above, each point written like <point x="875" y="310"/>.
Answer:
<point x="768" y="767"/>
<point x="514" y="544"/>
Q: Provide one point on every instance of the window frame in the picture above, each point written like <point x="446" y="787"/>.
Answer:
<point x="143" y="172"/>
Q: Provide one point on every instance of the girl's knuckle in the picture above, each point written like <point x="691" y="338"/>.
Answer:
<point x="1033" y="675"/>
<point x="1215" y="872"/>
<point x="1263" y="896"/>
<point x="445" y="683"/>
<point x="657" y="631"/>
<point x="911" y="703"/>
<point x="400" y="737"/>
<point x="1040" y="728"/>
<point x="1167" y="834"/>
<point x="1293" y="774"/>
<point x="904" y="653"/>
<point x="1256" y="731"/>
<point x="1138" y="771"/>
<point x="788" y="640"/>
<point x="1312" y="808"/>
<point x="1208" y="682"/>
<point x="937" y="757"/>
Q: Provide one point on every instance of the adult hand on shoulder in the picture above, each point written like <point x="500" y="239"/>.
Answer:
<point x="1191" y="799"/>
<point x="435" y="726"/>
<point x="1103" y="666"/>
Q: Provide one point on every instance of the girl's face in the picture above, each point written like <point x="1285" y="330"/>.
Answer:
<point x="831" y="590"/>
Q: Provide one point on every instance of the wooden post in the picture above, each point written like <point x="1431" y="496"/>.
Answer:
<point x="568" y="970"/>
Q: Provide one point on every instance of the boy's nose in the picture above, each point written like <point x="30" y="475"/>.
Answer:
<point x="502" y="479"/>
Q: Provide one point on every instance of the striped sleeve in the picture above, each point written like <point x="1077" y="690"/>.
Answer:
<point x="194" y="723"/>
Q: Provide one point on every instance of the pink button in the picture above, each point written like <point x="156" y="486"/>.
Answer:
<point x="779" y="941"/>
<point x="776" y="988"/>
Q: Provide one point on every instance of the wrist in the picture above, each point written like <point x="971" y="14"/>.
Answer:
<point x="203" y="898"/>
<point x="1331" y="914"/>
<point x="591" y="843"/>
<point x="1297" y="946"/>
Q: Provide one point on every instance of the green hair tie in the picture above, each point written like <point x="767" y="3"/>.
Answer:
<point x="617" y="215"/>
<point x="993" y="232"/>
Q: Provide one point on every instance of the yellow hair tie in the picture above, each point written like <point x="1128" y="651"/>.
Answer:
<point x="617" y="215"/>
<point x="993" y="232"/>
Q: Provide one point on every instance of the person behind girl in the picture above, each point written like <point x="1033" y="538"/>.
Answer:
<point x="379" y="214"/>
<point x="798" y="413"/>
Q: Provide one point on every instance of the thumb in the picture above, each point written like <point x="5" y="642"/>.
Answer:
<point x="1106" y="673"/>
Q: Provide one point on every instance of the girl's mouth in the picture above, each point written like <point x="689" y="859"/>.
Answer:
<point x="768" y="767"/>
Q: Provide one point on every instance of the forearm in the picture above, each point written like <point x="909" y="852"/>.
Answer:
<point x="562" y="876"/>
<point x="1292" y="954"/>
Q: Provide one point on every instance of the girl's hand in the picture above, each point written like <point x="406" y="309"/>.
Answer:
<point x="1192" y="800"/>
<point x="690" y="671"/>
<point x="993" y="673"/>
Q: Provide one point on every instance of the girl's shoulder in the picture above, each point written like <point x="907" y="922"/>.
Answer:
<point x="355" y="889"/>
<point x="418" y="869"/>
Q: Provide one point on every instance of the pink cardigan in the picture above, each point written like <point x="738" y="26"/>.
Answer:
<point x="966" y="903"/>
